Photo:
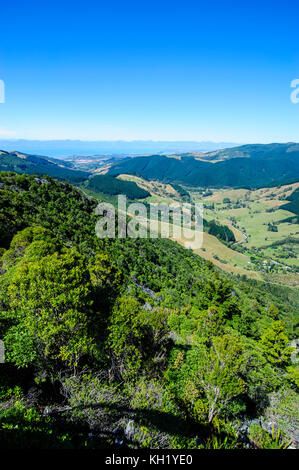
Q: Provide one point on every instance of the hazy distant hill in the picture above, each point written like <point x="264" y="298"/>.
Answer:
<point x="63" y="148"/>
<point x="244" y="166"/>
<point x="37" y="165"/>
<point x="258" y="151"/>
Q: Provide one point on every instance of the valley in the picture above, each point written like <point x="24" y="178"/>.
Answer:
<point x="133" y="322"/>
<point x="262" y="223"/>
<point x="149" y="232"/>
<point x="258" y="252"/>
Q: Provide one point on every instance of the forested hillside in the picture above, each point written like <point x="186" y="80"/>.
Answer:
<point x="255" y="151"/>
<point x="137" y="339"/>
<point x="247" y="166"/>
<point x="293" y="205"/>
<point x="221" y="231"/>
<point x="36" y="165"/>
<point x="113" y="186"/>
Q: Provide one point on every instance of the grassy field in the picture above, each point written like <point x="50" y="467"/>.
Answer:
<point x="155" y="188"/>
<point x="225" y="258"/>
<point x="248" y="214"/>
<point x="257" y="252"/>
<point x="212" y="248"/>
<point x="252" y="215"/>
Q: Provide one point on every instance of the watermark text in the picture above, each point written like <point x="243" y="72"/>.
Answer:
<point x="295" y="93"/>
<point x="181" y="222"/>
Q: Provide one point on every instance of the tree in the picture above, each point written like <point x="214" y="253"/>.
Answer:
<point x="210" y="377"/>
<point x="275" y="344"/>
<point x="125" y="337"/>
<point x="273" y="312"/>
<point x="137" y="339"/>
<point x="210" y="322"/>
<point x="49" y="303"/>
<point x="218" y="374"/>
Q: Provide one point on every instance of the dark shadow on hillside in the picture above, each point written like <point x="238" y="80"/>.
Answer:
<point x="162" y="421"/>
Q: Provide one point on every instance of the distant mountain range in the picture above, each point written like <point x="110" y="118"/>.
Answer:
<point x="262" y="151"/>
<point x="64" y="148"/>
<point x="249" y="166"/>
<point x="244" y="166"/>
<point x="37" y="165"/>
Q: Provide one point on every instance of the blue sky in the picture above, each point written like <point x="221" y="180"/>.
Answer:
<point x="179" y="70"/>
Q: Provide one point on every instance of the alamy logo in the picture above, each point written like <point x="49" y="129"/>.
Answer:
<point x="295" y="93"/>
<point x="2" y="92"/>
<point x="183" y="223"/>
<point x="2" y="352"/>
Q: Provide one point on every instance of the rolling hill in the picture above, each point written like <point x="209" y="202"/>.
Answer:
<point x="113" y="186"/>
<point x="256" y="151"/>
<point x="99" y="332"/>
<point x="293" y="205"/>
<point x="37" y="165"/>
<point x="246" y="166"/>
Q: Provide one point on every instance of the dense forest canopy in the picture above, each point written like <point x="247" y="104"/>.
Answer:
<point x="246" y="166"/>
<point x="293" y="205"/>
<point x="37" y="165"/>
<point x="114" y="186"/>
<point x="142" y="336"/>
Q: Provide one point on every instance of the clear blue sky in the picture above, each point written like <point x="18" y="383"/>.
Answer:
<point x="167" y="70"/>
